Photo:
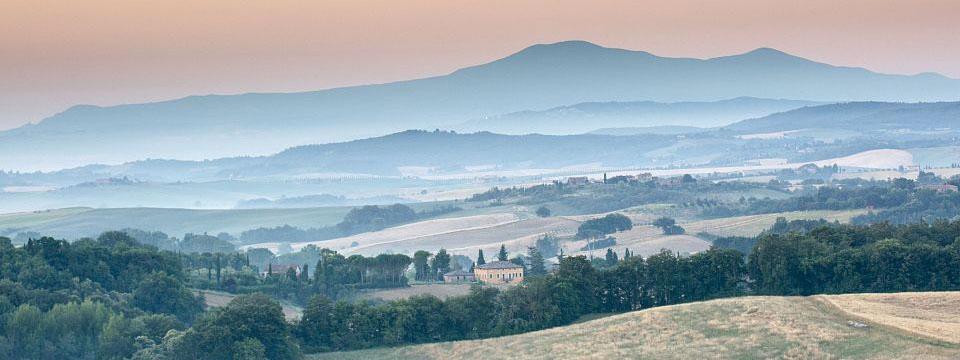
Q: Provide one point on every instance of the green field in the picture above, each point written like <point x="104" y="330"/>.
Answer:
<point x="78" y="222"/>
<point x="738" y="328"/>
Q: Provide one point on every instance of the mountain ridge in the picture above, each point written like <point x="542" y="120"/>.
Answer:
<point x="536" y="78"/>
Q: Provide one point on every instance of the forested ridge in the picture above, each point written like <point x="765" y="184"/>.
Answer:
<point x="101" y="299"/>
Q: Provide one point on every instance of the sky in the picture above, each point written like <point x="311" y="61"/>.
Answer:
<point x="55" y="53"/>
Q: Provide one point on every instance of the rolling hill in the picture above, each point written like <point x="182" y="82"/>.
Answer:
<point x="445" y="152"/>
<point x="585" y="117"/>
<point x="75" y="223"/>
<point x="860" y="117"/>
<point x="536" y="78"/>
<point x="436" y="151"/>
<point x="863" y="326"/>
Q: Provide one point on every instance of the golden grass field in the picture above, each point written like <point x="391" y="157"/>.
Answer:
<point x="930" y="314"/>
<point x="467" y="234"/>
<point x="647" y="240"/>
<point x="816" y="327"/>
<point x="459" y="235"/>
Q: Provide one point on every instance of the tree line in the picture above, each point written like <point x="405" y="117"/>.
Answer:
<point x="808" y="258"/>
<point x="357" y="220"/>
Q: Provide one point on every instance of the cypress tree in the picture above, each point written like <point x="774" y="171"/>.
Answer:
<point x="502" y="255"/>
<point x="537" y="267"/>
<point x="480" y="260"/>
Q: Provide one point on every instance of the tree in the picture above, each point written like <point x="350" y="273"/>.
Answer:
<point x="249" y="349"/>
<point x="114" y="238"/>
<point x="664" y="222"/>
<point x="611" y="257"/>
<point x="305" y="274"/>
<point x="537" y="267"/>
<point x="599" y="227"/>
<point x="547" y="246"/>
<point x="292" y="274"/>
<point x="164" y="294"/>
<point x="543" y="212"/>
<point x="441" y="263"/>
<point x="117" y="339"/>
<point x="502" y="255"/>
<point x="668" y="225"/>
<point x="421" y="265"/>
<point x="480" y="260"/>
<point x="316" y="325"/>
<point x="260" y="257"/>
<point x="257" y="317"/>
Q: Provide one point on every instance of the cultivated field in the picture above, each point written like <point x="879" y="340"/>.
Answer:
<point x="459" y="235"/>
<point x="737" y="328"/>
<point x="647" y="240"/>
<point x="465" y="235"/>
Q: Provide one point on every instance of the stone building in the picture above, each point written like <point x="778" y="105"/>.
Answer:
<point x="499" y="272"/>
<point x="459" y="276"/>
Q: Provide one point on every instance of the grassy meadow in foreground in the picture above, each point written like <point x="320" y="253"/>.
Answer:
<point x="737" y="328"/>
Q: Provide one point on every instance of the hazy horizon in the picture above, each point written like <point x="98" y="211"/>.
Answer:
<point x="114" y="52"/>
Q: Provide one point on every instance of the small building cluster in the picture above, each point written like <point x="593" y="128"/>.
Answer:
<point x="279" y="269"/>
<point x="496" y="272"/>
<point x="634" y="178"/>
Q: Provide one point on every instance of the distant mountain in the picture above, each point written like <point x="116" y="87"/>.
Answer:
<point x="585" y="117"/>
<point x="443" y="152"/>
<point x="436" y="152"/>
<point x="536" y="78"/>
<point x="860" y="117"/>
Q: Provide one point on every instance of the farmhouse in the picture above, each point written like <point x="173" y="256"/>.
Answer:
<point x="499" y="272"/>
<point x="279" y="269"/>
<point x="459" y="276"/>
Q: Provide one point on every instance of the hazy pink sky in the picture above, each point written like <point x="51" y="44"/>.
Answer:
<point x="56" y="53"/>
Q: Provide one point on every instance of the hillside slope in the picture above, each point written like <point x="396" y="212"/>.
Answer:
<point x="859" y="116"/>
<point x="536" y="78"/>
<point x="737" y="328"/>
<point x="584" y="117"/>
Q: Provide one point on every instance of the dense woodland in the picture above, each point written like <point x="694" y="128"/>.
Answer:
<point x="101" y="299"/>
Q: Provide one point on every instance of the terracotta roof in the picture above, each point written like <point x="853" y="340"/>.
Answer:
<point x="499" y="265"/>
